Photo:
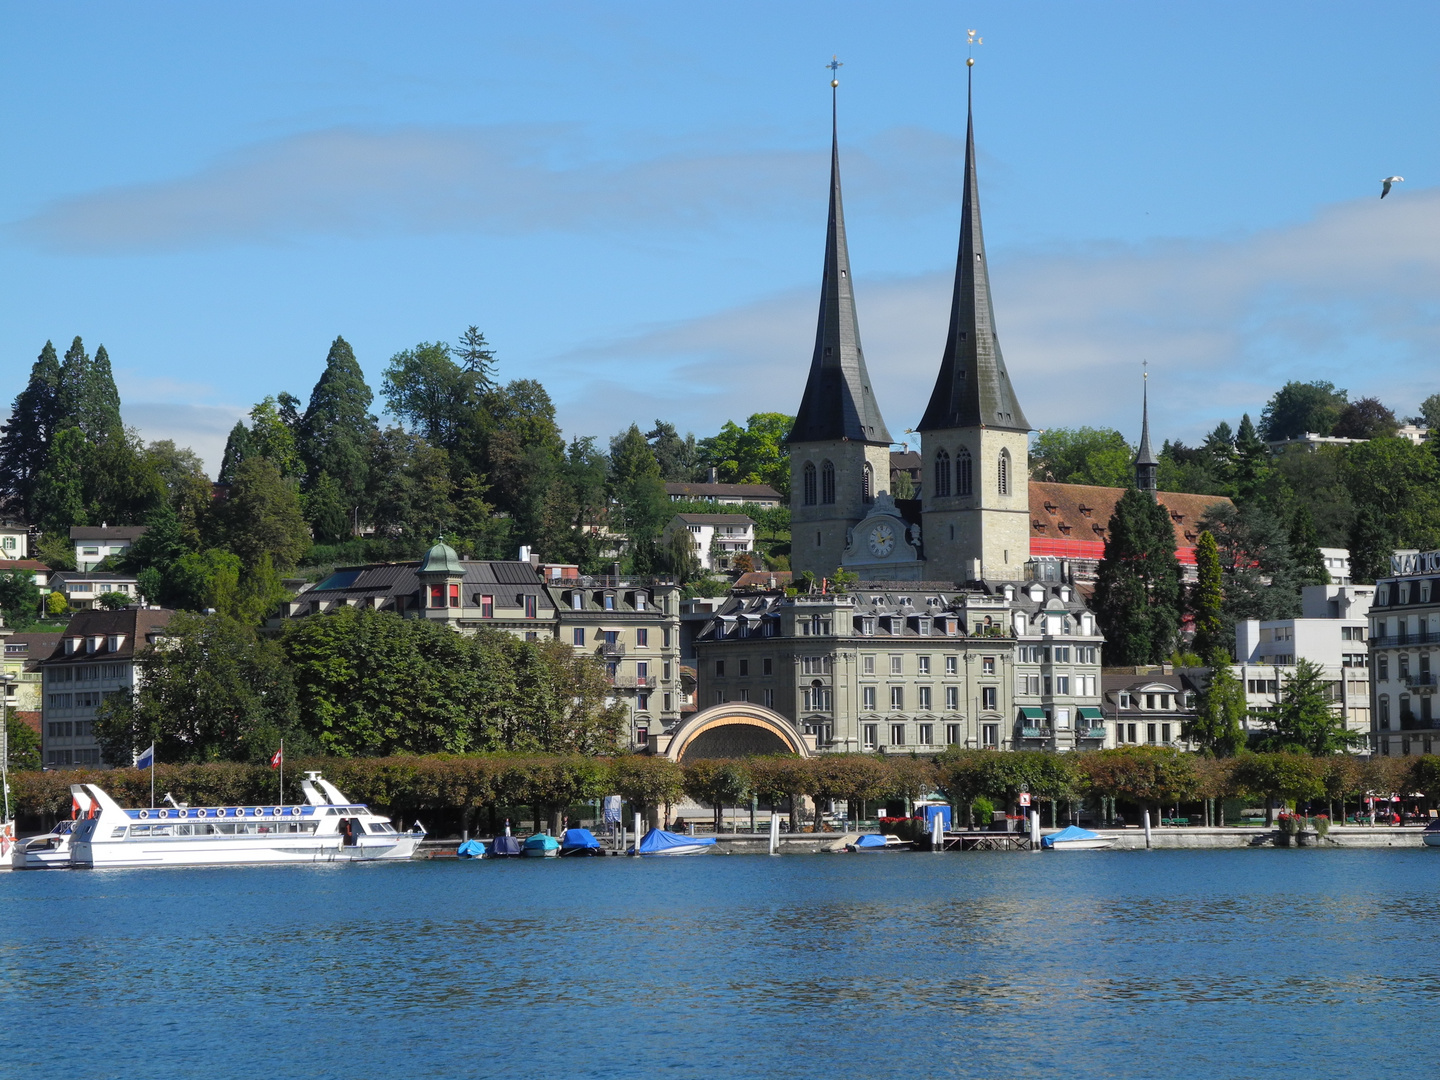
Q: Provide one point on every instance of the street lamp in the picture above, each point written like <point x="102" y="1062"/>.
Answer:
<point x="6" y="679"/>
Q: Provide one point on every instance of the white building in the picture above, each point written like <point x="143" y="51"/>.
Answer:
<point x="83" y="590"/>
<point x="1332" y="631"/>
<point x="1337" y="564"/>
<point x="95" y="544"/>
<point x="14" y="541"/>
<point x="717" y="538"/>
<point x="1404" y="628"/>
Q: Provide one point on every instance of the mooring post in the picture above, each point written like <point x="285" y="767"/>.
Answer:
<point x="637" y="829"/>
<point x="937" y="833"/>
<point x="1147" y="828"/>
<point x="774" y="833"/>
<point x="1034" y="830"/>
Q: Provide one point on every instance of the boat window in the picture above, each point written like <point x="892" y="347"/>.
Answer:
<point x="117" y="832"/>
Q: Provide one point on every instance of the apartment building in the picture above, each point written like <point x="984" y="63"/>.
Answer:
<point x="716" y="538"/>
<point x="95" y="657"/>
<point x="1151" y="706"/>
<point x="94" y="544"/>
<point x="1404" y="632"/>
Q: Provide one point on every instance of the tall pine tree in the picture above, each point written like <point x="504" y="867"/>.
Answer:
<point x="27" y="435"/>
<point x="1251" y="462"/>
<point x="1137" y="588"/>
<point x="337" y="430"/>
<point x="1207" y="601"/>
<point x="1305" y="548"/>
<point x="1371" y="546"/>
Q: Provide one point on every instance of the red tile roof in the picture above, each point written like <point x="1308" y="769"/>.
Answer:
<point x="1070" y="520"/>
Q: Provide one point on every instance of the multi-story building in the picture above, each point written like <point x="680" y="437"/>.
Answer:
<point x="83" y="589"/>
<point x="912" y="666"/>
<point x="1150" y="705"/>
<point x="725" y="494"/>
<point x="23" y="654"/>
<point x="94" y="544"/>
<point x="14" y="541"/>
<point x="716" y="538"/>
<point x="1404" y="632"/>
<point x="1331" y="632"/>
<point x="94" y="658"/>
<point x="631" y="625"/>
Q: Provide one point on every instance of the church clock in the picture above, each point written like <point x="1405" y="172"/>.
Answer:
<point x="882" y="540"/>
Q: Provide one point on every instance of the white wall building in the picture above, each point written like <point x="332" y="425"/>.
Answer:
<point x="1404" y="630"/>
<point x="717" y="538"/>
<point x="95" y="544"/>
<point x="14" y="542"/>
<point x="1333" y="631"/>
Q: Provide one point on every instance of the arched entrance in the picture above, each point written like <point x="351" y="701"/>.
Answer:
<point x="736" y="729"/>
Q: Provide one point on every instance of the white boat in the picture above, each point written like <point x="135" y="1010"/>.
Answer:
<point x="1431" y="835"/>
<point x="658" y="842"/>
<point x="48" y="852"/>
<point x="1075" y="838"/>
<point x="326" y="828"/>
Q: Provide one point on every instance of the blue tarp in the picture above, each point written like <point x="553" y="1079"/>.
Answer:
<point x="471" y="849"/>
<point x="932" y="812"/>
<point x="575" y="839"/>
<point x="1074" y="832"/>
<point x="657" y="841"/>
<point x="541" y="842"/>
<point x="504" y="845"/>
<point x="870" y="840"/>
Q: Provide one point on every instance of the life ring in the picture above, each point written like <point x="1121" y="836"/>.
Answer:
<point x="164" y="813"/>
<point x="144" y="814"/>
<point x="278" y="811"/>
<point x="199" y="813"/>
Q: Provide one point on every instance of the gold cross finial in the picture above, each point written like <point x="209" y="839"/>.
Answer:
<point x="834" y="65"/>
<point x="971" y="41"/>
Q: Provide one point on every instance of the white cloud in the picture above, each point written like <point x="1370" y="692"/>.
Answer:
<point x="502" y="180"/>
<point x="203" y="428"/>
<point x="1349" y="296"/>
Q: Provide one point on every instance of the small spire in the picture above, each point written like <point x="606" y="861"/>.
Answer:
<point x="838" y="402"/>
<point x="1146" y="466"/>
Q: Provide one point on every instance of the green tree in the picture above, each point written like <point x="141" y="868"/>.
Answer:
<point x="1219" y="724"/>
<point x="237" y="449"/>
<point x="755" y="454"/>
<point x="1371" y="546"/>
<point x="1137" y="588"/>
<point x="188" y="488"/>
<point x="637" y="488"/>
<point x="22" y="746"/>
<point x="1366" y="419"/>
<point x="1299" y="407"/>
<point x="1430" y="412"/>
<point x="562" y="702"/>
<point x="410" y="488"/>
<point x="679" y="556"/>
<point x="1318" y="481"/>
<point x="1252" y="462"/>
<point x="1399" y="483"/>
<point x="56" y="604"/>
<point x="213" y="691"/>
<point x="1288" y="777"/>
<point x="1305" y="719"/>
<point x="272" y="437"/>
<point x="25" y="445"/>
<point x="1305" y="549"/>
<point x="477" y="357"/>
<point x="1258" y="571"/>
<point x="425" y="388"/>
<point x="902" y="487"/>
<point x="337" y="428"/>
<point x="1152" y="776"/>
<point x="201" y="581"/>
<point x="1083" y="455"/>
<point x="59" y="494"/>
<point x="19" y="597"/>
<point x="677" y="457"/>
<point x="717" y="783"/>
<point x="1207" y="598"/>
<point x="262" y="516"/>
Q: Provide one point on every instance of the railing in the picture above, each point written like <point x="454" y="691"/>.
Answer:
<point x="612" y="648"/>
<point x="1420" y="637"/>
<point x="1097" y="732"/>
<point x="1035" y="733"/>
<point x="634" y="681"/>
<point x="1419" y="682"/>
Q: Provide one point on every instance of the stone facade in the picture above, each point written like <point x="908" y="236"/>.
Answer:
<point x="1405" y="662"/>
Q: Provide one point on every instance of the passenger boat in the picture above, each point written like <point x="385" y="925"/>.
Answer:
<point x="48" y="852"/>
<point x="327" y="828"/>
<point x="1431" y="835"/>
<point x="577" y="842"/>
<point x="542" y="846"/>
<point x="1075" y="838"/>
<point x="660" y="842"/>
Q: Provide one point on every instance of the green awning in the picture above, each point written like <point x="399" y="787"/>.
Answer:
<point x="1029" y="712"/>
<point x="1089" y="712"/>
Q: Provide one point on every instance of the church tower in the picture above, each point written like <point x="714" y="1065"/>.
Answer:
<point x="974" y="438"/>
<point x="1146" y="467"/>
<point x="839" y="445"/>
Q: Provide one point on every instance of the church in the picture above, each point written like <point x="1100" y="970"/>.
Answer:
<point x="978" y="517"/>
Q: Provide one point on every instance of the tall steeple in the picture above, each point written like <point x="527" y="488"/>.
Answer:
<point x="838" y="402"/>
<point x="1146" y="467"/>
<point x="973" y="388"/>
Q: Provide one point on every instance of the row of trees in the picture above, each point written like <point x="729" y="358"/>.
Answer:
<point x="459" y="789"/>
<point x="357" y="683"/>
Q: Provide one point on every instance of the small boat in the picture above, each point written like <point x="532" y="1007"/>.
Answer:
<point x="1075" y="838"/>
<point x="48" y="852"/>
<point x="1431" y="835"/>
<point x="504" y="847"/>
<point x="471" y="849"/>
<point x="660" y="842"/>
<point x="579" y="842"/>
<point x="542" y="846"/>
<point x="873" y="842"/>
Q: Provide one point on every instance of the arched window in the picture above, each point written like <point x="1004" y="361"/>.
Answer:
<point x="867" y="489"/>
<point x="809" y="483"/>
<point x="942" y="473"/>
<point x="827" y="483"/>
<point x="964" y="476"/>
<point x="1004" y="472"/>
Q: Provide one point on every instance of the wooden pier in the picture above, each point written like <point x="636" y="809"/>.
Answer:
<point x="986" y="841"/>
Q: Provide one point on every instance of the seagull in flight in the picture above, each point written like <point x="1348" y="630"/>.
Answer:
<point x="1387" y="182"/>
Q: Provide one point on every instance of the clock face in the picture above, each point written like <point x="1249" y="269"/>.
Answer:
<point x="882" y="540"/>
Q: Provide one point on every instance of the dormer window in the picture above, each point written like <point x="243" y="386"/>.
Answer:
<point x="72" y="646"/>
<point x="116" y="640"/>
<point x="609" y="603"/>
<point x="1050" y="507"/>
<point x="577" y="601"/>
<point x="93" y="643"/>
<point x="1087" y="510"/>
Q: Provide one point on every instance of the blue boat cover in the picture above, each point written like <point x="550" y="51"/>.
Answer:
<point x="541" y="842"/>
<point x="504" y="845"/>
<point x="1074" y="832"/>
<point x="932" y="812"/>
<point x="658" y="840"/>
<point x="471" y="849"/>
<point x="579" y="838"/>
<point x="870" y="840"/>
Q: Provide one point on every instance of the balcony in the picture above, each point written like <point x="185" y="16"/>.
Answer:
<point x="1095" y="732"/>
<point x="1404" y="637"/>
<point x="1028" y="732"/>
<point x="1424" y="685"/>
<point x="632" y="682"/>
<point x="612" y="649"/>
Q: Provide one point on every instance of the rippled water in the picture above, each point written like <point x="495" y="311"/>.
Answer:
<point x="1166" y="964"/>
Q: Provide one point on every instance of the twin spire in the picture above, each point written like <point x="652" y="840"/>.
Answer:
<point x="838" y="402"/>
<point x="973" y="388"/>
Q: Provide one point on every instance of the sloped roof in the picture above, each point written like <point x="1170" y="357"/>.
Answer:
<point x="720" y="491"/>
<point x="715" y="519"/>
<point x="1072" y="520"/>
<point x="106" y="532"/>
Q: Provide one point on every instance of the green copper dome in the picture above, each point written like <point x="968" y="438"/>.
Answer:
<point x="441" y="559"/>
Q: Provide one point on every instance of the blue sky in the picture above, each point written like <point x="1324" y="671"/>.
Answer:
<point x="630" y="199"/>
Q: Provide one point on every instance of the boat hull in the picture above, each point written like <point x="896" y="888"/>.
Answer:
<point x="687" y="849"/>
<point x="1431" y="839"/>
<point x="1098" y="844"/>
<point x="261" y="851"/>
<point x="542" y="853"/>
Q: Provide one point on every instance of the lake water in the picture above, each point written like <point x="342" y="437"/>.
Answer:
<point x="1167" y="964"/>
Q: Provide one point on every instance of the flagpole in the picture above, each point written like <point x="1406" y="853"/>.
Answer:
<point x="152" y="776"/>
<point x="282" y="772"/>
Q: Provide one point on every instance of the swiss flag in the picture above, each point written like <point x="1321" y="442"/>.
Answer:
<point x="277" y="759"/>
